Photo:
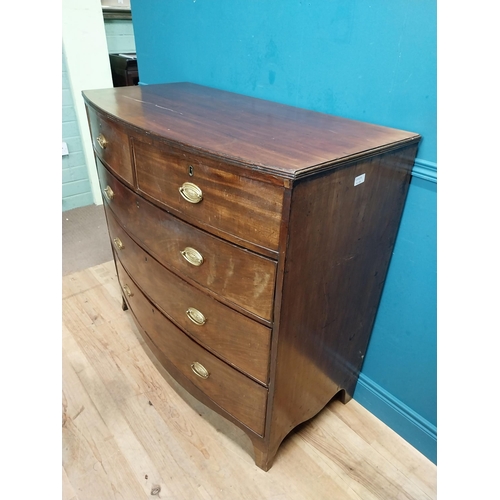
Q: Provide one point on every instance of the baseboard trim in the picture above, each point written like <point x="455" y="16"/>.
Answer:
<point x="411" y="426"/>
<point x="424" y="169"/>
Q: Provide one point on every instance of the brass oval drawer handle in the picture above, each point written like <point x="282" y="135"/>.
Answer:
<point x="191" y="192"/>
<point x="108" y="192"/>
<point x="101" y="140"/>
<point x="118" y="243"/>
<point x="128" y="291"/>
<point x="196" y="316"/>
<point x="199" y="370"/>
<point x="192" y="256"/>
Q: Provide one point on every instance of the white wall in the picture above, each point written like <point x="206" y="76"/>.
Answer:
<point x="85" y="46"/>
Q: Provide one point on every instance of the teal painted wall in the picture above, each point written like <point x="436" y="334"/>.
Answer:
<point x="372" y="61"/>
<point x="398" y="380"/>
<point x="76" y="190"/>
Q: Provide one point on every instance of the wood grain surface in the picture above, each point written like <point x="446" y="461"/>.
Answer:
<point x="235" y="338"/>
<point x="130" y="432"/>
<point x="233" y="273"/>
<point x="267" y="136"/>
<point x="235" y="393"/>
<point x="238" y="205"/>
<point x="341" y="241"/>
<point x="116" y="151"/>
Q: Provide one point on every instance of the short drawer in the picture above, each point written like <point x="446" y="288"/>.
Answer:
<point x="236" y="339"/>
<point x="111" y="145"/>
<point x="193" y="186"/>
<point x="236" y="275"/>
<point x="232" y="391"/>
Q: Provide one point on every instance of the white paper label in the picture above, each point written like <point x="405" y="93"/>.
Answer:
<point x="359" y="179"/>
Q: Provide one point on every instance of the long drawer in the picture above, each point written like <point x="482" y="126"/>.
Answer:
<point x="232" y="391"/>
<point x="235" y="274"/>
<point x="238" y="340"/>
<point x="193" y="185"/>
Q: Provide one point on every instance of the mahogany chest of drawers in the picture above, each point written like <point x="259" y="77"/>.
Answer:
<point x="251" y="241"/>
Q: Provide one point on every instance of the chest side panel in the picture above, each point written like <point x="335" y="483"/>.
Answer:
<point x="342" y="232"/>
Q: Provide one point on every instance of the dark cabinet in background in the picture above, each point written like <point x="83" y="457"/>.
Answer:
<point x="124" y="69"/>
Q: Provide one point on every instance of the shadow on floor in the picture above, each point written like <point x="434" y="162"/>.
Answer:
<point x="85" y="240"/>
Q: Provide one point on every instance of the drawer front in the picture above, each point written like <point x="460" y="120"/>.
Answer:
<point x="111" y="144"/>
<point x="248" y="209"/>
<point x="235" y="393"/>
<point x="238" y="340"/>
<point x="242" y="277"/>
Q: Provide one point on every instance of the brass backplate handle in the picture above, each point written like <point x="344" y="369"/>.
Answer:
<point x="200" y="370"/>
<point x="128" y="291"/>
<point x="101" y="140"/>
<point x="192" y="256"/>
<point x="108" y="192"/>
<point x="118" y="243"/>
<point x="196" y="316"/>
<point x="191" y="192"/>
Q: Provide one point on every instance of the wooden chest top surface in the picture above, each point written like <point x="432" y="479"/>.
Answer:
<point x="280" y="139"/>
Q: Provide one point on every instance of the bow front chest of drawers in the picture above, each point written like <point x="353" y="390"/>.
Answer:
<point x="251" y="242"/>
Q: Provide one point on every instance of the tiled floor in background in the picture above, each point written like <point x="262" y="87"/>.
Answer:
<point x="85" y="241"/>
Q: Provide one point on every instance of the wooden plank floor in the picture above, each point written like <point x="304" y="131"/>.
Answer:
<point x="130" y="432"/>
